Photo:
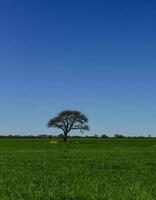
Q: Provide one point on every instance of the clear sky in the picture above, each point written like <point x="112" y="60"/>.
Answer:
<point x="98" y="57"/>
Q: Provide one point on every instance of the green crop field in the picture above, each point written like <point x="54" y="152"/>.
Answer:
<point x="88" y="169"/>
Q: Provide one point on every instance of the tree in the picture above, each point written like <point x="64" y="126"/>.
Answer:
<point x="95" y="136"/>
<point x="104" y="136"/>
<point x="119" y="136"/>
<point x="69" y="120"/>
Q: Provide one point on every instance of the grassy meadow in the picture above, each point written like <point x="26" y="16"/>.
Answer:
<point x="82" y="169"/>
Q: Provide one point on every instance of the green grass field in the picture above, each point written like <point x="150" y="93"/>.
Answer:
<point x="89" y="170"/>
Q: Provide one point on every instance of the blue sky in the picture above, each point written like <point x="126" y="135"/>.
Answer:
<point x="95" y="56"/>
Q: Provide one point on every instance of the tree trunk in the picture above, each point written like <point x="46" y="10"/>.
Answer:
<point x="65" y="137"/>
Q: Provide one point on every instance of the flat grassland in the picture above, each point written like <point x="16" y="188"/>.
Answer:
<point x="89" y="169"/>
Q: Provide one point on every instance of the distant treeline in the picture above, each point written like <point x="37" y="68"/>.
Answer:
<point x="44" y="136"/>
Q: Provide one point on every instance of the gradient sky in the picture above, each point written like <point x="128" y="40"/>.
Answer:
<point x="98" y="57"/>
